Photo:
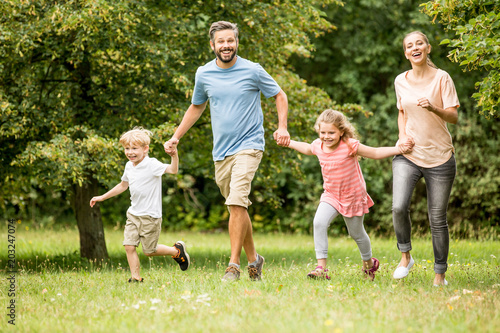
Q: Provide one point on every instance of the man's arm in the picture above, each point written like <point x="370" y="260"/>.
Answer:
<point x="192" y="114"/>
<point x="281" y="135"/>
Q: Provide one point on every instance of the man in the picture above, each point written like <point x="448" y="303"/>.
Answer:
<point x="233" y="85"/>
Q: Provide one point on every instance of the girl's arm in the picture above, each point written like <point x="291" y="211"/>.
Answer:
<point x="301" y="147"/>
<point x="379" y="152"/>
<point x="173" y="168"/>
<point x="120" y="188"/>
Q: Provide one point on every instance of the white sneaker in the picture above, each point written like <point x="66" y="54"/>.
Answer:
<point x="402" y="272"/>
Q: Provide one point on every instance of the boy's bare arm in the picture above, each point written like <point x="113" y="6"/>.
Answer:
<point x="118" y="189"/>
<point x="173" y="168"/>
<point x="301" y="147"/>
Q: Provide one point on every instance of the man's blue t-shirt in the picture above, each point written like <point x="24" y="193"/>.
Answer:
<point x="235" y="107"/>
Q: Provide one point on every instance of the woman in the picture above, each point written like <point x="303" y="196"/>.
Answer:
<point x="427" y="100"/>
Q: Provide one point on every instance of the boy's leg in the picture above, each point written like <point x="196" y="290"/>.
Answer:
<point x="150" y="233"/>
<point x="133" y="262"/>
<point x="130" y="242"/>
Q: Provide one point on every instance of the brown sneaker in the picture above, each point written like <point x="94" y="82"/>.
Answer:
<point x="232" y="274"/>
<point x="255" y="271"/>
<point x="319" y="273"/>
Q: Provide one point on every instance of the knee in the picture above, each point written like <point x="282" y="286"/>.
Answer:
<point x="149" y="254"/>
<point x="130" y="249"/>
<point x="399" y="210"/>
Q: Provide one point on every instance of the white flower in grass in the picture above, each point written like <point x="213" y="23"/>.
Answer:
<point x="142" y="302"/>
<point x="136" y="306"/>
<point x="493" y="256"/>
<point x="153" y="308"/>
<point x="155" y="300"/>
<point x="186" y="297"/>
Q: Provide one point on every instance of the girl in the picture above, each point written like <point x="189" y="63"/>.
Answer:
<point x="345" y="190"/>
<point x="426" y="100"/>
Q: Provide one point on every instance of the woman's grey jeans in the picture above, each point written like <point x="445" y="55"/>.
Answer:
<point x="438" y="181"/>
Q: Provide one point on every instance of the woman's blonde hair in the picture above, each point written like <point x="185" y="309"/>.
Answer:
<point x="429" y="61"/>
<point x="339" y="120"/>
<point x="138" y="136"/>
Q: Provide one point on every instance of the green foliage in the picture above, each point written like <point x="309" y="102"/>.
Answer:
<point x="476" y="43"/>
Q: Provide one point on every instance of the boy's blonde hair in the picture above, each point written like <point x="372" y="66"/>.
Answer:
<point x="138" y="136"/>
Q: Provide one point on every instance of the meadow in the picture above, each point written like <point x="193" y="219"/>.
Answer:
<point x="57" y="291"/>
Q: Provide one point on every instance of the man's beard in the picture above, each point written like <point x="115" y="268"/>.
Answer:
<point x="219" y="55"/>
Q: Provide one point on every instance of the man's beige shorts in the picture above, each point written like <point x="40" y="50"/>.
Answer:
<point x="234" y="176"/>
<point x="142" y="229"/>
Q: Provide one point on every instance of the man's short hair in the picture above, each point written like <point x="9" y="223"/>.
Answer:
<point x="136" y="136"/>
<point x="222" y="25"/>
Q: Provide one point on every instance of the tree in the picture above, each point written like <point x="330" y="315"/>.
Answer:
<point x="75" y="74"/>
<point x="476" y="43"/>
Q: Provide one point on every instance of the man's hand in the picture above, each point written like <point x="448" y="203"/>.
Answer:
<point x="282" y="137"/>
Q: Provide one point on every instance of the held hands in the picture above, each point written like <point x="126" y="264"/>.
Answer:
<point x="406" y="146"/>
<point x="282" y="137"/>
<point x="171" y="146"/>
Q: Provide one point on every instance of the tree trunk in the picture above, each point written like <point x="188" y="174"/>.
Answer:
<point x="92" y="243"/>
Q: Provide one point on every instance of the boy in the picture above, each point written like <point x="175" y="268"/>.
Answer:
<point x="143" y="175"/>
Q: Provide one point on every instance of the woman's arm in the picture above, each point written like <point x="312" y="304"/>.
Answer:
<point x="450" y="115"/>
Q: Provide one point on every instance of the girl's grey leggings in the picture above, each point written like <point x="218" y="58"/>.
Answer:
<point x="324" y="216"/>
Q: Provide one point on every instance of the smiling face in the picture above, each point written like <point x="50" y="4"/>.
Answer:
<point x="416" y="48"/>
<point x="330" y="136"/>
<point x="135" y="153"/>
<point x="225" y="46"/>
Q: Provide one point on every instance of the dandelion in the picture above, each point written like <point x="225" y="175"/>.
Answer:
<point x="328" y="322"/>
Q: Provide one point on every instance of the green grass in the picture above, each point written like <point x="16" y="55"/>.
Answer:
<point x="59" y="292"/>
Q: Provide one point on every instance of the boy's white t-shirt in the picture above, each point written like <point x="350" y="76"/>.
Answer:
<point x="144" y="181"/>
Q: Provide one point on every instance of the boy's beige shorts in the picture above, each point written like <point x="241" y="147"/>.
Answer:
<point x="142" y="229"/>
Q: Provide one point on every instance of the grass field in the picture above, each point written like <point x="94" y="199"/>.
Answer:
<point x="56" y="291"/>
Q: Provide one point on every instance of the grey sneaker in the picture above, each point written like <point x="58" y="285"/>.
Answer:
<point x="232" y="274"/>
<point x="182" y="256"/>
<point x="255" y="272"/>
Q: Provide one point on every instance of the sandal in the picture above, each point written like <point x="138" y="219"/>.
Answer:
<point x="370" y="272"/>
<point x="318" y="273"/>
